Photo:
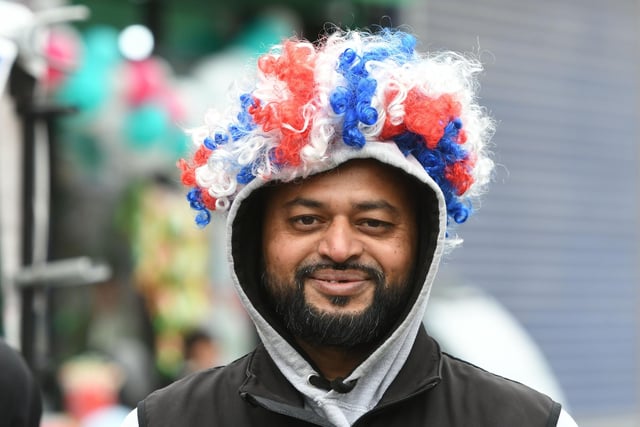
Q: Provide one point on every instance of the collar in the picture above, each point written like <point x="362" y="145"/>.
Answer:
<point x="422" y="370"/>
<point x="264" y="380"/>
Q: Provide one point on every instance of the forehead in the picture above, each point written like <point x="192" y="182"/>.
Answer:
<point x="354" y="181"/>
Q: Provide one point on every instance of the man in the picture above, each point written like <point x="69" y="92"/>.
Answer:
<point x="20" y="399"/>
<point x="342" y="170"/>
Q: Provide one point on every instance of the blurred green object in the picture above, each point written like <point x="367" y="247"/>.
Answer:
<point x="263" y="32"/>
<point x="88" y="87"/>
<point x="187" y="30"/>
<point x="146" y="125"/>
<point x="101" y="43"/>
<point x="177" y="143"/>
<point x="87" y="152"/>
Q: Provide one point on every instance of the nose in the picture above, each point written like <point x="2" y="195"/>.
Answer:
<point x="340" y="242"/>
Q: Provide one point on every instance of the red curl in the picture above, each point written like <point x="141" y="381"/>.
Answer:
<point x="288" y="151"/>
<point x="208" y="200"/>
<point x="188" y="175"/>
<point x="428" y="116"/>
<point x="294" y="67"/>
<point x="389" y="130"/>
<point x="201" y="155"/>
<point x="459" y="175"/>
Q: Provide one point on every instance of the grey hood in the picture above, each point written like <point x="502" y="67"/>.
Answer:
<point x="373" y="376"/>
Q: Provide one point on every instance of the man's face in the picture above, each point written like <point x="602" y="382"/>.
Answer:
<point x="339" y="250"/>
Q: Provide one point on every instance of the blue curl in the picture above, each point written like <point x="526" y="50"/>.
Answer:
<point x="402" y="44"/>
<point x="407" y="43"/>
<point x="245" y="175"/>
<point x="366" y="88"/>
<point x="220" y="138"/>
<point x="448" y="146"/>
<point x="339" y="100"/>
<point x="365" y="91"/>
<point x="367" y="114"/>
<point x="210" y="143"/>
<point x="459" y="212"/>
<point x="245" y="121"/>
<point x="346" y="58"/>
<point x="246" y="100"/>
<point x="353" y="137"/>
<point x="195" y="199"/>
<point x="354" y="100"/>
<point x="409" y="143"/>
<point x="435" y="162"/>
<point x="237" y="132"/>
<point x="203" y="218"/>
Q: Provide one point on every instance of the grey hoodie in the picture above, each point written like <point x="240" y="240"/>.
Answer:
<point x="373" y="376"/>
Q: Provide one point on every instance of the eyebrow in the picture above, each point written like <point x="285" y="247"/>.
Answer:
<point x="360" y="206"/>
<point x="301" y="201"/>
<point x="375" y="205"/>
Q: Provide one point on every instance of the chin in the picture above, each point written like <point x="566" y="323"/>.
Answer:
<point x="339" y="309"/>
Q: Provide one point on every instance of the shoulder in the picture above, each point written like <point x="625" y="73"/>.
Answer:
<point x="206" y="381"/>
<point x="194" y="392"/>
<point x="481" y="389"/>
<point x="469" y="375"/>
<point x="20" y="399"/>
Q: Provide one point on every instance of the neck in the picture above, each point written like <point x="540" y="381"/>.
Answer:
<point x="334" y="362"/>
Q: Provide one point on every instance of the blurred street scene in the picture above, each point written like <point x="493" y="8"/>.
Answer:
<point x="109" y="290"/>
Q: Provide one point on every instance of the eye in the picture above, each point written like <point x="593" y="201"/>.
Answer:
<point x="375" y="225"/>
<point x="304" y="222"/>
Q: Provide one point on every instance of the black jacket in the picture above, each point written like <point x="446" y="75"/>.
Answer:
<point x="20" y="400"/>
<point x="432" y="389"/>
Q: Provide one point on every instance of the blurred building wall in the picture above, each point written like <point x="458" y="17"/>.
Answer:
<point x="556" y="239"/>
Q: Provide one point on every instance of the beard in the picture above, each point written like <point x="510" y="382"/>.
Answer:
<point x="344" y="330"/>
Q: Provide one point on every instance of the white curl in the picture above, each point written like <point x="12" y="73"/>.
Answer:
<point x="307" y="113"/>
<point x="223" y="204"/>
<point x="249" y="149"/>
<point x="198" y="135"/>
<point x="216" y="179"/>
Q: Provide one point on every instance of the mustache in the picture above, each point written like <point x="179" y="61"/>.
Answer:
<point x="305" y="271"/>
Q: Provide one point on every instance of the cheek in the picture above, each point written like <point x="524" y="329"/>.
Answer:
<point x="399" y="259"/>
<point x="281" y="258"/>
<point x="271" y="246"/>
<point x="272" y="259"/>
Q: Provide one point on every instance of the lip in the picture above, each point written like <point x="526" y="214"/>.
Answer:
<point x="339" y="283"/>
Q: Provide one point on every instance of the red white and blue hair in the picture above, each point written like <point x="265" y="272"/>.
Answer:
<point x="350" y="89"/>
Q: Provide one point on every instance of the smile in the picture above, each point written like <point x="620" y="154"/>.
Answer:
<point x="339" y="283"/>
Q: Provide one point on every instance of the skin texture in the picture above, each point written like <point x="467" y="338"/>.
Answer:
<point x="361" y="216"/>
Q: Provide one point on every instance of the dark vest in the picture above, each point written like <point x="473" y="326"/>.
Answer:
<point x="432" y="389"/>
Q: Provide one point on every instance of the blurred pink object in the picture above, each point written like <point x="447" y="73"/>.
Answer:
<point x="62" y="53"/>
<point x="145" y="81"/>
<point x="89" y="384"/>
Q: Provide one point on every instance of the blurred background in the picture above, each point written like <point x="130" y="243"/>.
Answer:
<point x="110" y="291"/>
